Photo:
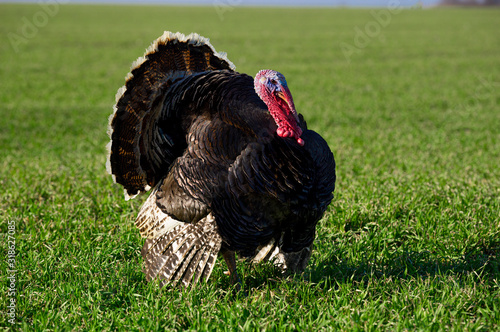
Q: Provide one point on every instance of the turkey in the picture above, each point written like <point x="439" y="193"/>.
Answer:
<point x="231" y="165"/>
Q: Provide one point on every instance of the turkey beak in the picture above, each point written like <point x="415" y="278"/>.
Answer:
<point x="287" y="97"/>
<point x="281" y="95"/>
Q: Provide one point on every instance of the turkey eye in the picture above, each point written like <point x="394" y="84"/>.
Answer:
<point x="273" y="82"/>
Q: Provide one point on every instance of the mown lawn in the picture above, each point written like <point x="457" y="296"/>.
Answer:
<point x="408" y="101"/>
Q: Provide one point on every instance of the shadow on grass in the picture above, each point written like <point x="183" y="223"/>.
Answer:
<point x="338" y="268"/>
<point x="481" y="260"/>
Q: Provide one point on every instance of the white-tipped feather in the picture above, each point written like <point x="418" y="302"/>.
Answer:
<point x="128" y="197"/>
<point x="109" y="131"/>
<point x="120" y="92"/>
<point x="136" y="64"/>
<point x="193" y="39"/>
<point x="108" y="162"/>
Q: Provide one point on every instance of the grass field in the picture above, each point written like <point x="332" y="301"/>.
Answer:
<point x="409" y="103"/>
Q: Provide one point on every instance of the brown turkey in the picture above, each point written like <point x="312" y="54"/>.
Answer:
<point x="232" y="165"/>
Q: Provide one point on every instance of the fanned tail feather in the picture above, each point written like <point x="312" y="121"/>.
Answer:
<point x="140" y="153"/>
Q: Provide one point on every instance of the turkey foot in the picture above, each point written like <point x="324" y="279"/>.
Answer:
<point x="230" y="259"/>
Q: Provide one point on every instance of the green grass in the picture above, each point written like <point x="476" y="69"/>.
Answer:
<point x="410" y="242"/>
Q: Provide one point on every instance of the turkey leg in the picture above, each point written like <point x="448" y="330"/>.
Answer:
<point x="230" y="259"/>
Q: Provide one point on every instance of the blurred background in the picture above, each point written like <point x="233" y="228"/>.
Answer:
<point x="348" y="3"/>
